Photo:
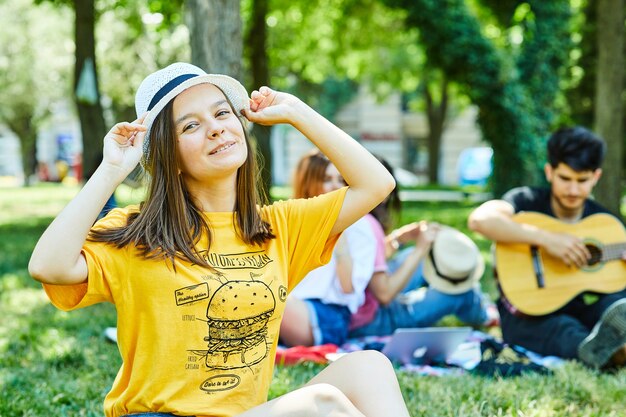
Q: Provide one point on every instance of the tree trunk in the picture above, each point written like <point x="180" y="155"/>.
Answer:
<point x="89" y="111"/>
<point x="256" y="45"/>
<point x="436" y="120"/>
<point x="215" y="31"/>
<point x="608" y="102"/>
<point x="27" y="134"/>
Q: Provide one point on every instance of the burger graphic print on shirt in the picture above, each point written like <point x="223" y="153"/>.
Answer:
<point x="233" y="317"/>
<point x="237" y="317"/>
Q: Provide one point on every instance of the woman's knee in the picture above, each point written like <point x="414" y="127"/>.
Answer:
<point x="368" y="362"/>
<point x="330" y="400"/>
<point x="370" y="356"/>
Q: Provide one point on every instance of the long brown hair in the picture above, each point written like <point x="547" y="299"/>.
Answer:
<point x="169" y="224"/>
<point x="308" y="179"/>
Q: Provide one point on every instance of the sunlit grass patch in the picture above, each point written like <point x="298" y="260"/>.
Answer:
<point x="54" y="344"/>
<point x="23" y="301"/>
<point x="32" y="202"/>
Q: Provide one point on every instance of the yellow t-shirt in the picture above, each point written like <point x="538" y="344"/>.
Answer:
<point x="194" y="341"/>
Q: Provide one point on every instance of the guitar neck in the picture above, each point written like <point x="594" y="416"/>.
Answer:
<point x="613" y="251"/>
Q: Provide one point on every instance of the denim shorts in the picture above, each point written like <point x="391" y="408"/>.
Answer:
<point x="329" y="322"/>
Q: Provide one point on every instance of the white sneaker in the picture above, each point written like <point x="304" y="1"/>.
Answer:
<point x="110" y="334"/>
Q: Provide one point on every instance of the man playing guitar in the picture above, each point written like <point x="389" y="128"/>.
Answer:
<point x="591" y="327"/>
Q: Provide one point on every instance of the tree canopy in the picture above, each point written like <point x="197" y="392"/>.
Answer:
<point x="514" y="84"/>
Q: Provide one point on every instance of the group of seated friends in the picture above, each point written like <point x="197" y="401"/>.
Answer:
<point x="380" y="279"/>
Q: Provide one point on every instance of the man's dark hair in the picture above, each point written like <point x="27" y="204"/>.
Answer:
<point x="576" y="147"/>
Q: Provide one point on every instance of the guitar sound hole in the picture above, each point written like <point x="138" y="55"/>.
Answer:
<point x="596" y="254"/>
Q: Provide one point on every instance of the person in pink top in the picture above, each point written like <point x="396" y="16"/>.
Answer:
<point x="437" y="276"/>
<point x="318" y="310"/>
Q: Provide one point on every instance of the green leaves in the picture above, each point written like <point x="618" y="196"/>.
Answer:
<point x="515" y="82"/>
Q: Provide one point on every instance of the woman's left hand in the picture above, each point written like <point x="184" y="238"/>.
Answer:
<point x="407" y="233"/>
<point x="427" y="233"/>
<point x="270" y="107"/>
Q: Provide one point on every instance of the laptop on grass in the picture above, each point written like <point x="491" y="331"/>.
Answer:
<point x="425" y="345"/>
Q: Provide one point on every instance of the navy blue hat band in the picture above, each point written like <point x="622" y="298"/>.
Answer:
<point x="169" y="87"/>
<point x="452" y="280"/>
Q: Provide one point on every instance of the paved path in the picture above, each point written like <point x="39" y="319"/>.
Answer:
<point x="442" y="195"/>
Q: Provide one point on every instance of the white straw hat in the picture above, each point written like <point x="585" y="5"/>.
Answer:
<point x="454" y="264"/>
<point x="162" y="86"/>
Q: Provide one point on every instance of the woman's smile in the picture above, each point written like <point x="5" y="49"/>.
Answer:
<point x="223" y="148"/>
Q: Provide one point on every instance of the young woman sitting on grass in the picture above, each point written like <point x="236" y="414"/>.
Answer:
<point x="200" y="271"/>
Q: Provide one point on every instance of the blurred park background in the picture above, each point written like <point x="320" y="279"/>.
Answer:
<point x="459" y="95"/>
<point x="450" y="91"/>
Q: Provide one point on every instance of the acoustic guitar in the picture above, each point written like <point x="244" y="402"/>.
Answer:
<point x="537" y="283"/>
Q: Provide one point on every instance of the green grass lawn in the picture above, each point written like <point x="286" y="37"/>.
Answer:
<point x="58" y="364"/>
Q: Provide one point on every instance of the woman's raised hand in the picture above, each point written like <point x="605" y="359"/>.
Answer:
<point x="123" y="145"/>
<point x="269" y="107"/>
<point x="427" y="233"/>
<point x="407" y="233"/>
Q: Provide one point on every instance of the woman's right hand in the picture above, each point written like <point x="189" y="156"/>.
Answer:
<point x="427" y="233"/>
<point x="407" y="233"/>
<point x="123" y="145"/>
<point x="269" y="107"/>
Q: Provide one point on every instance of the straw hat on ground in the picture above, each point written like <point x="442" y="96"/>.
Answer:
<point x="454" y="264"/>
